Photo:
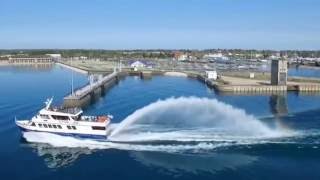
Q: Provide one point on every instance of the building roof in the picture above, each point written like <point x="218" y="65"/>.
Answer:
<point x="25" y="56"/>
<point x="145" y="62"/>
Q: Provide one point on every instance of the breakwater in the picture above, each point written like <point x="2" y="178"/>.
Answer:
<point x="86" y="94"/>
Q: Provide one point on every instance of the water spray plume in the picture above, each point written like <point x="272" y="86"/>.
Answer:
<point x="192" y="113"/>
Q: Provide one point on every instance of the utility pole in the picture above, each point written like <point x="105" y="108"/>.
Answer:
<point x="72" y="88"/>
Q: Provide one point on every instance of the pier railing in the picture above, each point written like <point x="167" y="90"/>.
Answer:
<point x="88" y="88"/>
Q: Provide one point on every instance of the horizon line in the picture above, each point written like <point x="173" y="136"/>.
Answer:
<point x="165" y="49"/>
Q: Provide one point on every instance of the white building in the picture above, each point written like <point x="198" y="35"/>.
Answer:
<point x="182" y="57"/>
<point x="251" y="75"/>
<point x="275" y="55"/>
<point x="257" y="55"/>
<point x="216" y="56"/>
<point x="212" y="75"/>
<point x="83" y="57"/>
<point x="213" y="55"/>
<point x="55" y="56"/>
<point x="137" y="64"/>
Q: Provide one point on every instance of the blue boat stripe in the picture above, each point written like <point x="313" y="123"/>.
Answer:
<point x="76" y="135"/>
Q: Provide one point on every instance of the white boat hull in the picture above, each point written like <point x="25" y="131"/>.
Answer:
<point x="24" y="127"/>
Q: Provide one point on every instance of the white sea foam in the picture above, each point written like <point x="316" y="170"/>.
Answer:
<point x="62" y="141"/>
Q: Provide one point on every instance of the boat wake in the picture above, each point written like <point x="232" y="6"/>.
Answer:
<point x="179" y="124"/>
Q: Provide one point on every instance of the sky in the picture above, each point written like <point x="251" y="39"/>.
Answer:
<point x="160" y="24"/>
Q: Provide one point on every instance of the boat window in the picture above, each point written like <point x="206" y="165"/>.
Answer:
<point x="75" y="118"/>
<point x="73" y="127"/>
<point x="59" y="126"/>
<point x="98" y="128"/>
<point x="49" y="125"/>
<point x="33" y="124"/>
<point x="68" y="127"/>
<point x="45" y="125"/>
<point x="54" y="126"/>
<point x="60" y="117"/>
<point x="40" y="125"/>
<point x="43" y="116"/>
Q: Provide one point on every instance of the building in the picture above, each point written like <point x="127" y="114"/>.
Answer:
<point x="213" y="55"/>
<point x="138" y="64"/>
<point x="30" y="59"/>
<point x="258" y="55"/>
<point x="275" y="55"/>
<point x="3" y="60"/>
<point x="83" y="57"/>
<point x="279" y="72"/>
<point x="212" y="75"/>
<point x="251" y="75"/>
<point x="181" y="56"/>
<point x="54" y="56"/>
<point x="216" y="56"/>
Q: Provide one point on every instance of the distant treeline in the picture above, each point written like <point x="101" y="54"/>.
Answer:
<point x="93" y="53"/>
<point x="158" y="53"/>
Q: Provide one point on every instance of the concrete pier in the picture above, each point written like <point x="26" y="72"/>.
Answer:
<point x="309" y="88"/>
<point x="242" y="85"/>
<point x="250" y="88"/>
<point x="86" y="94"/>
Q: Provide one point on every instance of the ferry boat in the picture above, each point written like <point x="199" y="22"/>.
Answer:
<point x="67" y="122"/>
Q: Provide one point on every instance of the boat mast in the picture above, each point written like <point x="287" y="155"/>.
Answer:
<point x="48" y="103"/>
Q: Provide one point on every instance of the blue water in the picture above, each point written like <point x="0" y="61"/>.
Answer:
<point x="304" y="72"/>
<point x="24" y="89"/>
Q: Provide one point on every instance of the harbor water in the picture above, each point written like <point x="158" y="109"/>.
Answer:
<point x="165" y="128"/>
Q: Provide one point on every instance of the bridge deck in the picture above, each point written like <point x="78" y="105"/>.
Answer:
<point x="79" y="93"/>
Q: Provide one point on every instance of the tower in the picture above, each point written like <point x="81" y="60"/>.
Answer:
<point x="279" y="72"/>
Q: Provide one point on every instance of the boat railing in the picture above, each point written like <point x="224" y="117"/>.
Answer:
<point x="77" y="89"/>
<point x="75" y="110"/>
<point x="95" y="118"/>
<point x="83" y="90"/>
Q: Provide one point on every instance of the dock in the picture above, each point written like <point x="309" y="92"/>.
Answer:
<point x="238" y="85"/>
<point x="250" y="88"/>
<point x="86" y="94"/>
